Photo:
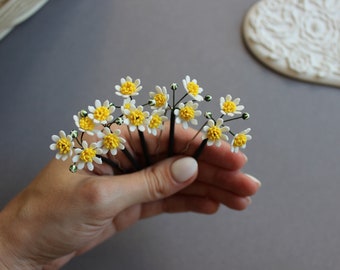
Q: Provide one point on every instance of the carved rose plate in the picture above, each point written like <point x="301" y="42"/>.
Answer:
<point x="298" y="38"/>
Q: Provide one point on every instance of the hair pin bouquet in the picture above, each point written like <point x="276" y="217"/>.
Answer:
<point x="103" y="123"/>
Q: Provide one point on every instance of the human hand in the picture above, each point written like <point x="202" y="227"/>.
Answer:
<point x="61" y="215"/>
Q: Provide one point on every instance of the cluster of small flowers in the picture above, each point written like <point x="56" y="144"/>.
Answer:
<point x="99" y="121"/>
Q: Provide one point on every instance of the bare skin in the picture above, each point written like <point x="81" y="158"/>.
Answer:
<point x="61" y="215"/>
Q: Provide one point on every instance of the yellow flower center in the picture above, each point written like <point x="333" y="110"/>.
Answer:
<point x="229" y="107"/>
<point x="240" y="140"/>
<point x="128" y="88"/>
<point x="101" y="113"/>
<point x="155" y="121"/>
<point x="136" y="117"/>
<point x="193" y="88"/>
<point x="87" y="155"/>
<point x="64" y="146"/>
<point x="127" y="106"/>
<point x="111" y="141"/>
<point x="86" y="123"/>
<point x="187" y="113"/>
<point x="214" y="133"/>
<point x="160" y="99"/>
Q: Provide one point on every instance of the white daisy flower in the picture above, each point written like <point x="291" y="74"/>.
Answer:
<point x="127" y="87"/>
<point x="160" y="97"/>
<point x="240" y="140"/>
<point x="101" y="113"/>
<point x="136" y="119"/>
<point x="63" y="144"/>
<point x="110" y="141"/>
<point x="155" y="121"/>
<point x="215" y="132"/>
<point x="128" y="104"/>
<point x="229" y="106"/>
<point x="192" y="88"/>
<point x="186" y="113"/>
<point x="85" y="124"/>
<point x="87" y="155"/>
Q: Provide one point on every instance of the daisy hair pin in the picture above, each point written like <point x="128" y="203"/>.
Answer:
<point x="98" y="137"/>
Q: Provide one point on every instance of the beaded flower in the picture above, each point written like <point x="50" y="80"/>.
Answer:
<point x="98" y="137"/>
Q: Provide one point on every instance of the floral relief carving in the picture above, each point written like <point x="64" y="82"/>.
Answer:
<point x="299" y="38"/>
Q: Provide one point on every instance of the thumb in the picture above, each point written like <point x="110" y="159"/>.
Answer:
<point x="156" y="182"/>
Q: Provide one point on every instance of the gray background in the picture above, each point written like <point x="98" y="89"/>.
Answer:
<point x="73" y="52"/>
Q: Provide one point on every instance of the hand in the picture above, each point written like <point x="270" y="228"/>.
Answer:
<point x="61" y="215"/>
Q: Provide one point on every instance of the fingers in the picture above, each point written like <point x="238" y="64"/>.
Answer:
<point x="151" y="184"/>
<point x="186" y="143"/>
<point x="224" y="197"/>
<point x="178" y="204"/>
<point x="234" y="181"/>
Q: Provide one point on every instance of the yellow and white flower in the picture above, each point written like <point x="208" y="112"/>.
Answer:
<point x="215" y="132"/>
<point x="192" y="88"/>
<point x="86" y="155"/>
<point x="155" y="121"/>
<point x="101" y="113"/>
<point x="128" y="87"/>
<point x="240" y="140"/>
<point x="136" y="118"/>
<point x="128" y="104"/>
<point x="186" y="113"/>
<point x="230" y="107"/>
<point x="85" y="124"/>
<point x="110" y="141"/>
<point x="63" y="144"/>
<point x="161" y="97"/>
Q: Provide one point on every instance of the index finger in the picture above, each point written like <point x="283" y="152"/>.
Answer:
<point x="186" y="142"/>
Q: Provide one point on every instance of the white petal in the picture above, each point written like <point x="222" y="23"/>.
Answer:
<point x="224" y="137"/>
<point x="90" y="166"/>
<point x="97" y="160"/>
<point x="199" y="98"/>
<point x="55" y="138"/>
<point x="194" y="121"/>
<point x="75" y="158"/>
<point x="62" y="133"/>
<point x="97" y="103"/>
<point x="210" y="143"/>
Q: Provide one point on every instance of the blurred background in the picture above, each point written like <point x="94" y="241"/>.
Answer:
<point x="73" y="52"/>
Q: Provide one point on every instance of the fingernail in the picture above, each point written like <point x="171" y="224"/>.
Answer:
<point x="183" y="169"/>
<point x="255" y="180"/>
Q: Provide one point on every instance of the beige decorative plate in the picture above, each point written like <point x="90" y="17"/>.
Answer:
<point x="298" y="38"/>
<point x="13" y="12"/>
